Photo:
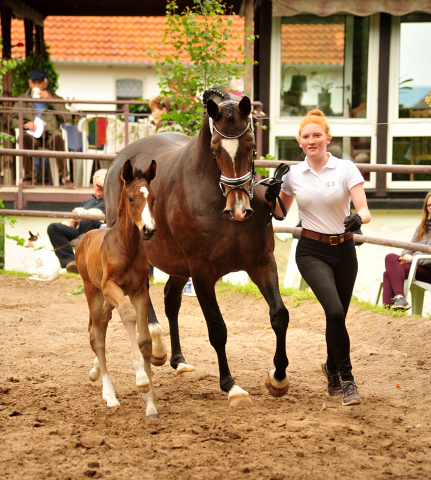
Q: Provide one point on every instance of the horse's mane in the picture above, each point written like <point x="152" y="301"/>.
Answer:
<point x="215" y="92"/>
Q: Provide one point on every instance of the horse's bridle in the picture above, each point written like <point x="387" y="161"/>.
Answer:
<point x="235" y="183"/>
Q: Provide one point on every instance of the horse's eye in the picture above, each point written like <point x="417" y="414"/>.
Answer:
<point x="130" y="199"/>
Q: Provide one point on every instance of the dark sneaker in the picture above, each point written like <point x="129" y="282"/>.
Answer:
<point x="350" y="394"/>
<point x="71" y="267"/>
<point x="334" y="382"/>
<point x="399" y="303"/>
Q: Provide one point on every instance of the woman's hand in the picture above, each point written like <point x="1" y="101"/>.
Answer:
<point x="406" y="259"/>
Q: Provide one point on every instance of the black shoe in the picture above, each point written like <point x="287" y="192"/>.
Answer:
<point x="399" y="303"/>
<point x="334" y="382"/>
<point x="350" y="394"/>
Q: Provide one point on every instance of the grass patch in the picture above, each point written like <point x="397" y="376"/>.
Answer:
<point x="380" y="309"/>
<point x="298" y="296"/>
<point x="69" y="275"/>
<point x="14" y="273"/>
<point x="78" y="290"/>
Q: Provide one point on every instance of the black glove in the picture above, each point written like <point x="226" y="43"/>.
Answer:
<point x="273" y="190"/>
<point x="352" y="223"/>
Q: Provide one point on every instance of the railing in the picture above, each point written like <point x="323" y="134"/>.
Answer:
<point x="86" y="141"/>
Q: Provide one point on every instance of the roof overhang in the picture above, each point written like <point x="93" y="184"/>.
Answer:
<point x="36" y="10"/>
<point x="362" y="8"/>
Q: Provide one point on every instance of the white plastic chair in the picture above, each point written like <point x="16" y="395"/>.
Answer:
<point x="55" y="174"/>
<point x="416" y="287"/>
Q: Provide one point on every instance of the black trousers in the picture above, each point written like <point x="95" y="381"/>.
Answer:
<point x="60" y="236"/>
<point x="330" y="271"/>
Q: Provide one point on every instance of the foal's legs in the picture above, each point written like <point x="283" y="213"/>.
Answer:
<point x="115" y="296"/>
<point x="159" y="352"/>
<point x="100" y="314"/>
<point x="265" y="276"/>
<point x="173" y="293"/>
<point x="140" y="302"/>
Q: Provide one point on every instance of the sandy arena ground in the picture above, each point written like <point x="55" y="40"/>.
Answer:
<point x="55" y="424"/>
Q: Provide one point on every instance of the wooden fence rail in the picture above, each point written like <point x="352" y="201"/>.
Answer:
<point x="277" y="229"/>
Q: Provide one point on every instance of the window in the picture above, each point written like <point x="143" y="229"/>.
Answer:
<point x="324" y="64"/>
<point x="409" y="129"/>
<point x="129" y="89"/>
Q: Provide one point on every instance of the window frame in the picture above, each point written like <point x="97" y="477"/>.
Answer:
<point x="283" y="127"/>
<point x="401" y="127"/>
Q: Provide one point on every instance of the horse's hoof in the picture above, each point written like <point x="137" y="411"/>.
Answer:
<point x="112" y="402"/>
<point x="143" y="388"/>
<point x="158" y="361"/>
<point x="94" y="374"/>
<point x="184" y="369"/>
<point x="153" y="417"/>
<point x="239" y="397"/>
<point x="276" y="388"/>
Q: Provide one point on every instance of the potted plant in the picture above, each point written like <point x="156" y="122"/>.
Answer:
<point x="323" y="82"/>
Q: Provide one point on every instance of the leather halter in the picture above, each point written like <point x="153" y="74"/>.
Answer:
<point x="235" y="183"/>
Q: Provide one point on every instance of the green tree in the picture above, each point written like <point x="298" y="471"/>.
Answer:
<point x="32" y="62"/>
<point x="199" y="38"/>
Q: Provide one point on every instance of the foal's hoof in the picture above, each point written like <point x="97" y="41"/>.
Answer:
<point x="239" y="397"/>
<point x="153" y="417"/>
<point x="158" y="361"/>
<point x="276" y="388"/>
<point x="184" y="369"/>
<point x="143" y="388"/>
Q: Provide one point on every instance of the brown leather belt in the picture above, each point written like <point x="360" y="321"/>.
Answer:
<point x="331" y="239"/>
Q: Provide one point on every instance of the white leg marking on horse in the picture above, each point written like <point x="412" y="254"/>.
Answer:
<point x="231" y="146"/>
<point x="142" y="381"/>
<point x="276" y="388"/>
<point x="95" y="371"/>
<point x="159" y="350"/>
<point x="184" y="369"/>
<point x="150" y="410"/>
<point x="237" y="396"/>
<point x="108" y="392"/>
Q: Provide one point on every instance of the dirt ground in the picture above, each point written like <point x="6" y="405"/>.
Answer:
<point x="55" y="424"/>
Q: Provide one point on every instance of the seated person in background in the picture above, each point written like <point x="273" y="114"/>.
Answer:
<point x="158" y="107"/>
<point x="61" y="235"/>
<point x="398" y="266"/>
<point x="51" y="136"/>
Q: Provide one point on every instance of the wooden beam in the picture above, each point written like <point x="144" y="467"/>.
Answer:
<point x="262" y="24"/>
<point x="383" y="100"/>
<point x="28" y="29"/>
<point x="40" y="42"/>
<point x="248" y="46"/>
<point x="23" y="11"/>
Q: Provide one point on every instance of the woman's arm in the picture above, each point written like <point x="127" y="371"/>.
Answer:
<point x="287" y="201"/>
<point x="360" y="202"/>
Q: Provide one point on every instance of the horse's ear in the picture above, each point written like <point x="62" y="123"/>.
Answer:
<point x="212" y="109"/>
<point x="245" y="106"/>
<point x="151" y="171"/>
<point x="127" y="172"/>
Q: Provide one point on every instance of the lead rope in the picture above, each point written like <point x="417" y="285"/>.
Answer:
<point x="280" y="171"/>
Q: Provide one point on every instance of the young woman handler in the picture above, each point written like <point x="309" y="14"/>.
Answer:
<point x="326" y="257"/>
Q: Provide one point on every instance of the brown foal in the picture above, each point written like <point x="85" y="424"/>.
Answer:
<point x="113" y="265"/>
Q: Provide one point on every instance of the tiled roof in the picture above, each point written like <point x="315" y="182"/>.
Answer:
<point x="312" y="44"/>
<point x="109" y="39"/>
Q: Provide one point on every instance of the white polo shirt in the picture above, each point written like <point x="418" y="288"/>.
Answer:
<point x="324" y="198"/>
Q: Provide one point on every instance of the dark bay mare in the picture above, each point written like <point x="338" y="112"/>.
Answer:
<point x="209" y="223"/>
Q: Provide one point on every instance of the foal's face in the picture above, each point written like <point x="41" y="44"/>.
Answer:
<point x="234" y="156"/>
<point x="140" y="200"/>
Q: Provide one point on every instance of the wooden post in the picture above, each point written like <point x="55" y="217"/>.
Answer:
<point x="382" y="108"/>
<point x="40" y="41"/>
<point x="248" y="47"/>
<point x="28" y="29"/>
<point x="6" y="22"/>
